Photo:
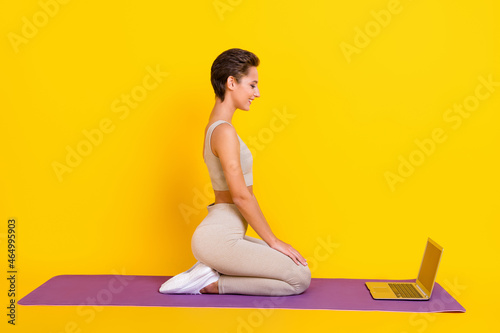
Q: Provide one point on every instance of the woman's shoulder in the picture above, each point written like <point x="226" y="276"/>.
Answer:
<point x="223" y="138"/>
<point x="216" y="123"/>
<point x="223" y="129"/>
<point x="220" y="126"/>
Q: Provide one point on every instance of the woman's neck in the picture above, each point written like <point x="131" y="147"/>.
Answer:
<point x="222" y="111"/>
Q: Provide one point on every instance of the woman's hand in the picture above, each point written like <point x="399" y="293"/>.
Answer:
<point x="288" y="250"/>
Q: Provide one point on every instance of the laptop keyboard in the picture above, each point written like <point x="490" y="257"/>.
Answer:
<point x="405" y="290"/>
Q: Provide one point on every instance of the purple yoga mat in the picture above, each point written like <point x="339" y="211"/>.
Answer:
<point x="140" y="290"/>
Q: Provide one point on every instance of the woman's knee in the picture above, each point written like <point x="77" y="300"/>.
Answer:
<point x="301" y="279"/>
<point x="304" y="280"/>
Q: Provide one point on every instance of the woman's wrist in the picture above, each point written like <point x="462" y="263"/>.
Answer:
<point x="272" y="241"/>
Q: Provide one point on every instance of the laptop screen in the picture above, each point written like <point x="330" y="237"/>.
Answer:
<point x="430" y="264"/>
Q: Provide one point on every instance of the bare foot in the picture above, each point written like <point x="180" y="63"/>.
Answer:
<point x="212" y="288"/>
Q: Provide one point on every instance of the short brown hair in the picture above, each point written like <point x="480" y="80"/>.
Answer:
<point x="233" y="62"/>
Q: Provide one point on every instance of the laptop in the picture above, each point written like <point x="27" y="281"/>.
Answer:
<point x="420" y="290"/>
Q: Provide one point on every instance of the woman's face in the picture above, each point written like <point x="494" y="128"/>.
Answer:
<point x="245" y="91"/>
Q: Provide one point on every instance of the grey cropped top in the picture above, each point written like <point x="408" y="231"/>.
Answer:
<point x="214" y="166"/>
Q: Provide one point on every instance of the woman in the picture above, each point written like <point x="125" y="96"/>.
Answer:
<point x="229" y="262"/>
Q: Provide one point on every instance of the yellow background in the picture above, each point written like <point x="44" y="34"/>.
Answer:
<point x="133" y="203"/>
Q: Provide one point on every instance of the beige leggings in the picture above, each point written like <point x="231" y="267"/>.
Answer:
<point x="247" y="265"/>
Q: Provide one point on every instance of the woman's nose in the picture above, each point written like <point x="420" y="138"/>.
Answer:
<point x="256" y="93"/>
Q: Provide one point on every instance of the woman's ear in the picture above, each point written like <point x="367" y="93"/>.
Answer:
<point x="230" y="83"/>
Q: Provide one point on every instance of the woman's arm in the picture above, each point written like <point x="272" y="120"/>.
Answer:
<point x="227" y="146"/>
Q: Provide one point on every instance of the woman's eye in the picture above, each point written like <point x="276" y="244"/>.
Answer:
<point x="253" y="87"/>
